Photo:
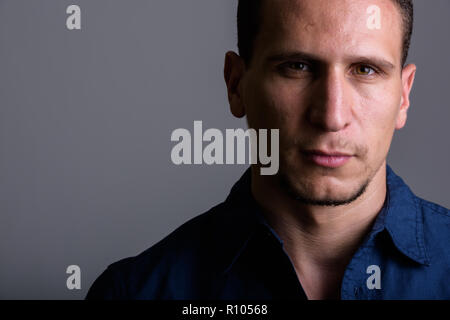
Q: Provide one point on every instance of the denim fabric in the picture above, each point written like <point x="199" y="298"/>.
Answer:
<point x="230" y="252"/>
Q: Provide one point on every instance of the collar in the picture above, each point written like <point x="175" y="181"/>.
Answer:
<point x="245" y="220"/>
<point x="400" y="217"/>
<point x="403" y="219"/>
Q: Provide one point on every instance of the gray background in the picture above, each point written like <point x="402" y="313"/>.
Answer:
<point x="86" y="118"/>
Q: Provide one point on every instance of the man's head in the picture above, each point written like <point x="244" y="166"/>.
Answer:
<point x="317" y="71"/>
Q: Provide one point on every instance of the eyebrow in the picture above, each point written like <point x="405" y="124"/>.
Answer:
<point x="298" y="55"/>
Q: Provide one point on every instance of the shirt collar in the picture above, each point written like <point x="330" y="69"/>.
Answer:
<point x="403" y="219"/>
<point x="400" y="217"/>
<point x="244" y="219"/>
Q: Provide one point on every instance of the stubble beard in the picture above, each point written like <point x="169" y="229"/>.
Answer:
<point x="306" y="196"/>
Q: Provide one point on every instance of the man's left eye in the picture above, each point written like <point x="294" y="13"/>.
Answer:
<point x="363" y="70"/>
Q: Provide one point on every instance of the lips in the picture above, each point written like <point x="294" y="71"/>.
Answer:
<point x="328" y="159"/>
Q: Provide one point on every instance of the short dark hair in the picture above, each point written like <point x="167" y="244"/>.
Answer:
<point x="249" y="17"/>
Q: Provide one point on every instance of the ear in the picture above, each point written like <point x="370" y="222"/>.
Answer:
<point x="408" y="74"/>
<point x="233" y="73"/>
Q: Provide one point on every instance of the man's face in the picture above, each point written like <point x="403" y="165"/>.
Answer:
<point x="332" y="85"/>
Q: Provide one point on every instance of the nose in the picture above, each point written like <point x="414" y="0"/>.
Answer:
<point x="331" y="105"/>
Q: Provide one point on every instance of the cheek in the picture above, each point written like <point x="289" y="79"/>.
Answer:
<point x="377" y="113"/>
<point x="272" y="104"/>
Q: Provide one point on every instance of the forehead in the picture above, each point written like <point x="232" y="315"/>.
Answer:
<point x="331" y="28"/>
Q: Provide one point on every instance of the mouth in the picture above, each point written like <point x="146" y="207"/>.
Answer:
<point x="328" y="159"/>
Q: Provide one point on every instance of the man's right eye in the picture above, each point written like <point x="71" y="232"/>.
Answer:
<point x="295" y="69"/>
<point x="297" y="66"/>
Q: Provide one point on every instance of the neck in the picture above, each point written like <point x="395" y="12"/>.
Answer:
<point x="319" y="236"/>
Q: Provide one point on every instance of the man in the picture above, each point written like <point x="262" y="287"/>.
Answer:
<point x="335" y="222"/>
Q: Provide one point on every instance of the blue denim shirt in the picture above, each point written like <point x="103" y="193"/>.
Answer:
<point x="230" y="252"/>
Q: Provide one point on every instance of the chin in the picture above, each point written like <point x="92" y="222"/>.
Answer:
<point x="322" y="190"/>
